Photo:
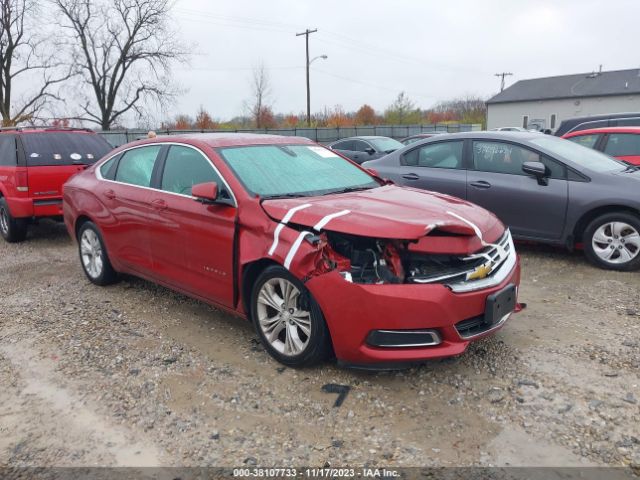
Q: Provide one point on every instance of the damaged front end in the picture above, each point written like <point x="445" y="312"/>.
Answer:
<point x="367" y="260"/>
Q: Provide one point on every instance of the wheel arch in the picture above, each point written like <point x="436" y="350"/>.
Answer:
<point x="588" y="217"/>
<point x="250" y="272"/>
<point x="81" y="220"/>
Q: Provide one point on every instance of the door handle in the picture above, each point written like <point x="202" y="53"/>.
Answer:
<point x="159" y="204"/>
<point x="110" y="194"/>
<point x="411" y="176"/>
<point x="481" y="184"/>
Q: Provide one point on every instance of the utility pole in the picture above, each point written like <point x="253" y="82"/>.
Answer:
<point x="306" y="33"/>
<point x="503" y="74"/>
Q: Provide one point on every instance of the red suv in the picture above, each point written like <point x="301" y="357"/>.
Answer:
<point x="34" y="163"/>
<point x="318" y="253"/>
<point x="618" y="142"/>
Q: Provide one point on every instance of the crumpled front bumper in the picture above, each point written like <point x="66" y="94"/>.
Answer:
<point x="353" y="310"/>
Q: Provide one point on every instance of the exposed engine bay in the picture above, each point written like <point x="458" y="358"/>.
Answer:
<point x="386" y="261"/>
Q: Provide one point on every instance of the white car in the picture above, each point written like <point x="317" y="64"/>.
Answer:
<point x="509" y="129"/>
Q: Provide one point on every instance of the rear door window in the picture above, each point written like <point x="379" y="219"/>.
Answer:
<point x="108" y="168"/>
<point x="435" y="155"/>
<point x="64" y="148"/>
<point x="346" y="145"/>
<point x="136" y="166"/>
<point x="186" y="167"/>
<point x="588" y="141"/>
<point x="627" y="122"/>
<point x="8" y="157"/>
<point x="622" y="144"/>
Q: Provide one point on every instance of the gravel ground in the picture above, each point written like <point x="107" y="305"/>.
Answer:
<point x="136" y="375"/>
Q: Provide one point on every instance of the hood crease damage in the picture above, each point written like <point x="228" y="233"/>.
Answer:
<point x="383" y="245"/>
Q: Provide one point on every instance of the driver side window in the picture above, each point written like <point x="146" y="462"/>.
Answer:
<point x="508" y="158"/>
<point x="360" y="146"/>
<point x="185" y="167"/>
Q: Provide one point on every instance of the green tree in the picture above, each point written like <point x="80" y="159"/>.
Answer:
<point x="402" y="111"/>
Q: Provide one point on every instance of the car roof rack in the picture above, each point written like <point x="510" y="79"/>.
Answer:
<point x="45" y="128"/>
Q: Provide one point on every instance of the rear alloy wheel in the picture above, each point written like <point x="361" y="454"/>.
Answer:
<point x="93" y="256"/>
<point x="12" y="229"/>
<point x="288" y="319"/>
<point x="613" y="241"/>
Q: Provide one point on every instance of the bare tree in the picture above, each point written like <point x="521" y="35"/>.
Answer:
<point x="26" y="58"/>
<point x="123" y="50"/>
<point x="259" y="107"/>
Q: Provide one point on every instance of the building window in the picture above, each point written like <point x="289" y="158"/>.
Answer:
<point x="552" y="121"/>
<point x="525" y="121"/>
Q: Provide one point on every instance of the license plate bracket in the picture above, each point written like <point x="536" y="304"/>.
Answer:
<point x="500" y="304"/>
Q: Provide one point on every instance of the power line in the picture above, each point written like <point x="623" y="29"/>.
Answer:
<point x="238" y="19"/>
<point x="233" y="69"/>
<point x="333" y="37"/>
<point x="367" y="84"/>
<point x="502" y="75"/>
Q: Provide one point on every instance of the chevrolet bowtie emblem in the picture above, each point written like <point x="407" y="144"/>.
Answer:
<point x="480" y="272"/>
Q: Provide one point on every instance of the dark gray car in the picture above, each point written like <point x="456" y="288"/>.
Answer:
<point x="544" y="188"/>
<point x="362" y="149"/>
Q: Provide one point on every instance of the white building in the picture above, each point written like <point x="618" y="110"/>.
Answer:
<point x="542" y="103"/>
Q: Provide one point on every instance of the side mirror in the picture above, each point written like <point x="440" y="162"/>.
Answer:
<point x="536" y="169"/>
<point x="370" y="151"/>
<point x="206" y="193"/>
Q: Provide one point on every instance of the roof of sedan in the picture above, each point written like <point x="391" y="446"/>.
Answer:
<point x="489" y="135"/>
<point x="362" y="137"/>
<point x="590" y="131"/>
<point x="223" y="139"/>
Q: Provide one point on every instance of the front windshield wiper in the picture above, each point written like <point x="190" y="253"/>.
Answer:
<point x="348" y="190"/>
<point x="283" y="195"/>
<point x="631" y="168"/>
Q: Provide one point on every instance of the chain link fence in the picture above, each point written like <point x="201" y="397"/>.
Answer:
<point x="321" y="135"/>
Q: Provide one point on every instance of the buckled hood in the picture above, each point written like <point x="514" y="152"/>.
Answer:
<point x="387" y="212"/>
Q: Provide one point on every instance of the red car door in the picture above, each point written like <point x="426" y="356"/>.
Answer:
<point x="128" y="199"/>
<point x="192" y="243"/>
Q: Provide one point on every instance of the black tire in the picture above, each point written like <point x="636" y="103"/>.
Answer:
<point x="318" y="347"/>
<point x="617" y="242"/>
<point x="13" y="230"/>
<point x="105" y="275"/>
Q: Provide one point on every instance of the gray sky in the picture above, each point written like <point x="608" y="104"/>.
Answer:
<point x="432" y="50"/>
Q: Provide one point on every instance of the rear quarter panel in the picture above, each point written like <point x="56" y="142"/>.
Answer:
<point x="79" y="199"/>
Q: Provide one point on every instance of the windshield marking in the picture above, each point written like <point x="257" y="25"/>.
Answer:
<point x="322" y="223"/>
<point x="286" y="219"/>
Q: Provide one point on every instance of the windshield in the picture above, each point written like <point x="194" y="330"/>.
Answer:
<point x="582" y="156"/>
<point x="64" y="148"/>
<point x="385" y="144"/>
<point x="294" y="170"/>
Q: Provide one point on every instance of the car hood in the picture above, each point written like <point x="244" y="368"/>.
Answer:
<point x="387" y="212"/>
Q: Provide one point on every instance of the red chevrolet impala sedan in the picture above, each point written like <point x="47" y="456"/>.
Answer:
<point x="319" y="254"/>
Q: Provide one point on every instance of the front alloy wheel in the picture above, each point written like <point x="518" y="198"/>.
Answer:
<point x="288" y="320"/>
<point x="285" y="326"/>
<point x="613" y="241"/>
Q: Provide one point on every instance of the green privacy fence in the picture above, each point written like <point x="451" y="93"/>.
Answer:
<point x="321" y="135"/>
